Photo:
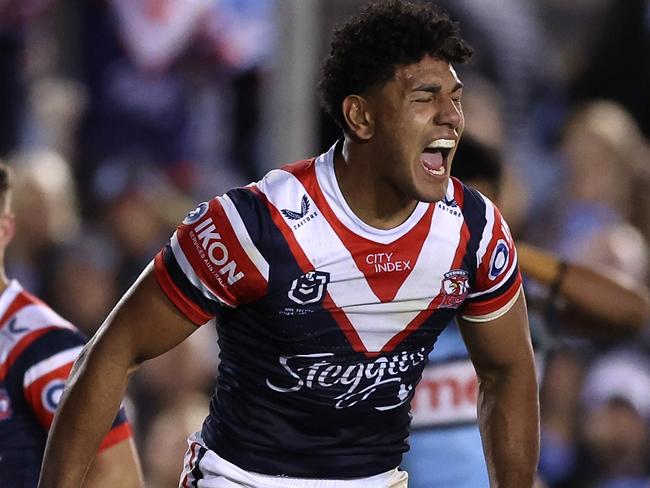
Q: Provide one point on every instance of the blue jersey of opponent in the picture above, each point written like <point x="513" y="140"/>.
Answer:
<point x="445" y="443"/>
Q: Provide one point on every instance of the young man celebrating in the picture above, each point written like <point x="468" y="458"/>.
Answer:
<point x="37" y="349"/>
<point x="331" y="279"/>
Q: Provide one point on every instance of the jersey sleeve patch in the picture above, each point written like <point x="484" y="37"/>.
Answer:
<point x="211" y="260"/>
<point x="497" y="281"/>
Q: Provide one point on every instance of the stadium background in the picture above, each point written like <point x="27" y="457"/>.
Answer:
<point x="118" y="116"/>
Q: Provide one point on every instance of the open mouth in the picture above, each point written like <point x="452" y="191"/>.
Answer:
<point x="434" y="156"/>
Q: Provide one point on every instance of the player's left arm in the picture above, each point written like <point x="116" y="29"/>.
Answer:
<point x="502" y="354"/>
<point x="116" y="465"/>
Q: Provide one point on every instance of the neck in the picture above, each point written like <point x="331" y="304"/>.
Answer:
<point x="369" y="194"/>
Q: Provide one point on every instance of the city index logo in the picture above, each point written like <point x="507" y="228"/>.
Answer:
<point x="214" y="252"/>
<point x="383" y="262"/>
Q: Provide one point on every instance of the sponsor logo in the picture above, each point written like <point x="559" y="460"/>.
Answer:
<point x="5" y="405"/>
<point x="309" y="288"/>
<point x="447" y="394"/>
<point x="450" y="202"/>
<point x="303" y="216"/>
<point x="499" y="260"/>
<point x="51" y="394"/>
<point x="450" y="205"/>
<point x="383" y="262"/>
<point x="214" y="252"/>
<point x="196" y="214"/>
<point x="363" y="381"/>
<point x="14" y="328"/>
<point x="455" y="286"/>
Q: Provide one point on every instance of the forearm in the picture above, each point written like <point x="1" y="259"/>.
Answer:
<point x="84" y="416"/>
<point x="597" y="295"/>
<point x="605" y="300"/>
<point x="509" y="423"/>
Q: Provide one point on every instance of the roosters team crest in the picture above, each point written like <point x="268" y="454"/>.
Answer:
<point x="455" y="286"/>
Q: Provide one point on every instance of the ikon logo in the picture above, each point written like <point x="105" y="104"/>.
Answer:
<point x="309" y="288"/>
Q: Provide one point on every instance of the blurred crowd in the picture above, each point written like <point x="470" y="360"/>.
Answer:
<point x="119" y="115"/>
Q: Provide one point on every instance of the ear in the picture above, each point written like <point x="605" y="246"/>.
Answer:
<point x="7" y="229"/>
<point x="359" y="117"/>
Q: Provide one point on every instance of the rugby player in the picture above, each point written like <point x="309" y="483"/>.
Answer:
<point x="330" y="280"/>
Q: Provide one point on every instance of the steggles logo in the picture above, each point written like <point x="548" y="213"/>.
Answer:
<point x="363" y="381"/>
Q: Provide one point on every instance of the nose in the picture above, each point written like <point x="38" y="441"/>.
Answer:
<point x="450" y="114"/>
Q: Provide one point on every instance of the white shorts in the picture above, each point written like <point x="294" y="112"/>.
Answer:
<point x="203" y="468"/>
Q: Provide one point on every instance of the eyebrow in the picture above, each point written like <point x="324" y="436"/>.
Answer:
<point x="435" y="88"/>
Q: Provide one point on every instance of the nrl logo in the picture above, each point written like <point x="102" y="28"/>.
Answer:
<point x="304" y="208"/>
<point x="309" y="288"/>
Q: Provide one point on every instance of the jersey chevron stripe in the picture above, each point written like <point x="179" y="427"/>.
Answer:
<point x="384" y="285"/>
<point x="355" y="303"/>
<point x="306" y="265"/>
<point x="459" y="255"/>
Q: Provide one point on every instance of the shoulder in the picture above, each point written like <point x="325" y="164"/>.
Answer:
<point x="31" y="332"/>
<point x="28" y="317"/>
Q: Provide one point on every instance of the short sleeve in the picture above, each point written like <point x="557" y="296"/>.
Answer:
<point x="45" y="367"/>
<point x="211" y="261"/>
<point x="497" y="281"/>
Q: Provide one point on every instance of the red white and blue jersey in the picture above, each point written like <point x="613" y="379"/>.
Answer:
<point x="324" y="322"/>
<point x="37" y="350"/>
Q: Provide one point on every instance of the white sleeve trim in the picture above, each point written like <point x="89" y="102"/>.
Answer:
<point x="494" y="315"/>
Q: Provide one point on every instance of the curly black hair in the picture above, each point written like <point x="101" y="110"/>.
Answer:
<point x="366" y="50"/>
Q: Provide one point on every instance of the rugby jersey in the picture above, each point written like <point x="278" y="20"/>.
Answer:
<point x="325" y="323"/>
<point x="37" y="351"/>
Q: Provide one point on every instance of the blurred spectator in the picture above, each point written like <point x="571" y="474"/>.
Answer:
<point x="605" y="156"/>
<point x="86" y="270"/>
<point x="615" y="423"/>
<point x="167" y="441"/>
<point x="620" y="56"/>
<point x="47" y="217"/>
<point x="15" y="15"/>
<point x="175" y="84"/>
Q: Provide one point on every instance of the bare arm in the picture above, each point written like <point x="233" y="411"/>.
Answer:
<point x="143" y="325"/>
<point x="598" y="297"/>
<point x="508" y="401"/>
<point x="116" y="466"/>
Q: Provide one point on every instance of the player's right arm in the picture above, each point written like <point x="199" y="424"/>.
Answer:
<point x="143" y="325"/>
